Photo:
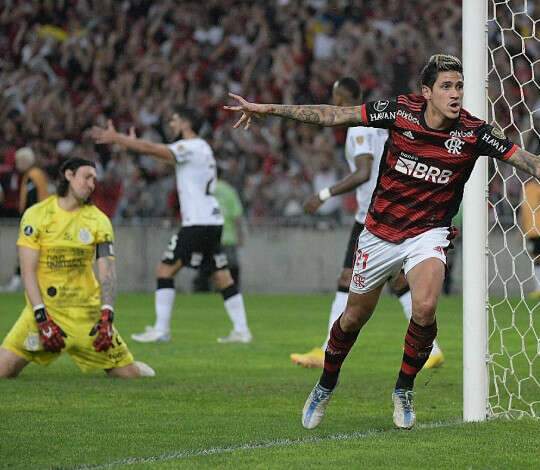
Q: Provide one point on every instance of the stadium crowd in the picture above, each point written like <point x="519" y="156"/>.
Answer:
<point x="66" y="65"/>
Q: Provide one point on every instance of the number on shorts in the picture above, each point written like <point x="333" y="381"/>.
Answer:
<point x="363" y="257"/>
<point x="172" y="243"/>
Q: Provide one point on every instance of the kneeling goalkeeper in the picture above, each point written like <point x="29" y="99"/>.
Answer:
<point x="67" y="308"/>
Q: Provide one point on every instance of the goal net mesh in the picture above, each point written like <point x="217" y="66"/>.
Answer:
<point x="514" y="107"/>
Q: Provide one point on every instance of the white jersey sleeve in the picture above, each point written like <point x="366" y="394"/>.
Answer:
<point x="195" y="181"/>
<point x="366" y="141"/>
<point x="360" y="140"/>
<point x="181" y="151"/>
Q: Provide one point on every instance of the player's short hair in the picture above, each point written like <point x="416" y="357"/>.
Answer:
<point x="351" y="85"/>
<point x="70" y="164"/>
<point x="190" y="115"/>
<point x="439" y="63"/>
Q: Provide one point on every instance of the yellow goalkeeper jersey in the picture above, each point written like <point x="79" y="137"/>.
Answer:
<point x="67" y="243"/>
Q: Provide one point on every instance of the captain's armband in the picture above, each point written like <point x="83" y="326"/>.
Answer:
<point x="104" y="249"/>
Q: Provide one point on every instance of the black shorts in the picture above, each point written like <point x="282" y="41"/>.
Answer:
<point x="198" y="246"/>
<point x="351" y="246"/>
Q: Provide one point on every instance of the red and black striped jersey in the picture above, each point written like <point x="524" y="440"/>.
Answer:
<point x="423" y="171"/>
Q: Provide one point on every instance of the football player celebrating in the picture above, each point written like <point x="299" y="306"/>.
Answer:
<point x="364" y="147"/>
<point x="432" y="148"/>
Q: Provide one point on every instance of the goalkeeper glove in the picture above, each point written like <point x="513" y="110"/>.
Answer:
<point x="104" y="329"/>
<point x="50" y="334"/>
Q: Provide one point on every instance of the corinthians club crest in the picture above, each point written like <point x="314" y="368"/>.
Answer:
<point x="85" y="236"/>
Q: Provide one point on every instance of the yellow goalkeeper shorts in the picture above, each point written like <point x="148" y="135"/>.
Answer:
<point x="23" y="340"/>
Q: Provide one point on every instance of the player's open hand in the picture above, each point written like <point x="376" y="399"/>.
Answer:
<point x="248" y="110"/>
<point x="312" y="204"/>
<point x="104" y="136"/>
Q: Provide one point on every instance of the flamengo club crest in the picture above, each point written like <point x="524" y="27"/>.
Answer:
<point x="454" y="145"/>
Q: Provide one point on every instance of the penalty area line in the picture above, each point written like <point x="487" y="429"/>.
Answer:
<point x="271" y="444"/>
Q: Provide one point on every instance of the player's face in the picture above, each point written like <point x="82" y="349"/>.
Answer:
<point x="176" y="123"/>
<point x="82" y="182"/>
<point x="446" y="96"/>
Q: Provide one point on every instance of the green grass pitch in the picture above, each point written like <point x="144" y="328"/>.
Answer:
<point x="239" y="406"/>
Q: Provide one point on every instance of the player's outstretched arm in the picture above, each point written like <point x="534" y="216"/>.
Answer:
<point x="110" y="135"/>
<point x="526" y="161"/>
<point x="323" y="115"/>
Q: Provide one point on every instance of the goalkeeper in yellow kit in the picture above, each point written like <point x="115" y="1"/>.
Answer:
<point x="67" y="308"/>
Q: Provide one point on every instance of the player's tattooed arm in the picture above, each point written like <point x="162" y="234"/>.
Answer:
<point x="323" y="115"/>
<point x="526" y="161"/>
<point x="106" y="270"/>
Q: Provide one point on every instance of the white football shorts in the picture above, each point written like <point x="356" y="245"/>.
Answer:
<point x="377" y="260"/>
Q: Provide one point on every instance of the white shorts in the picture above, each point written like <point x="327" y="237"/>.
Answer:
<point x="378" y="260"/>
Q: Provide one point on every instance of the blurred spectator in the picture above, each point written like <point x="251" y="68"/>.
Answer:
<point x="65" y="66"/>
<point x="326" y="176"/>
<point x="33" y="188"/>
<point x="34" y="185"/>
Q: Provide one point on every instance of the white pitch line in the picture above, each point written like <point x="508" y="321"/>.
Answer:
<point x="184" y="454"/>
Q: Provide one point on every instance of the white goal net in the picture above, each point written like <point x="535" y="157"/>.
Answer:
<point x="513" y="106"/>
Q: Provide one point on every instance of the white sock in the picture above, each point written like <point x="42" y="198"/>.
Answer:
<point x="164" y="301"/>
<point x="537" y="276"/>
<point x="406" y="302"/>
<point x="237" y="312"/>
<point x="338" y="307"/>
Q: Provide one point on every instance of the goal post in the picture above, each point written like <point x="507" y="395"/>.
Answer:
<point x="475" y="207"/>
<point x="501" y="323"/>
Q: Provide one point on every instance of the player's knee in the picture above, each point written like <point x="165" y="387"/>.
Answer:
<point x="11" y="365"/>
<point x="8" y="372"/>
<point x="128" y="372"/>
<point x="355" y="316"/>
<point x="222" y="279"/>
<point x="164" y="270"/>
<point x="423" y="311"/>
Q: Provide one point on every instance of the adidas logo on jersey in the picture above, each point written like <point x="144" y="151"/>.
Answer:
<point x="409" y="134"/>
<point x="422" y="171"/>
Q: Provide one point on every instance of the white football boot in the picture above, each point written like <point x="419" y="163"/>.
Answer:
<point x="236" y="337"/>
<point x="315" y="406"/>
<point x="404" y="415"/>
<point x="151" y="335"/>
<point x="144" y="369"/>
